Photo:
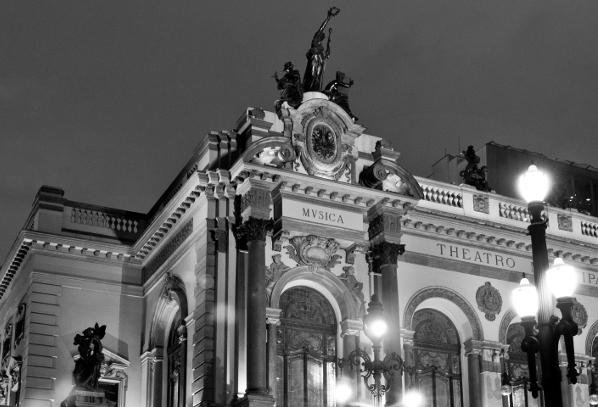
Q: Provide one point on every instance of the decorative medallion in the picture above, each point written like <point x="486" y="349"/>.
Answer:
<point x="323" y="136"/>
<point x="489" y="301"/>
<point x="481" y="203"/>
<point x="579" y="315"/>
<point x="313" y="251"/>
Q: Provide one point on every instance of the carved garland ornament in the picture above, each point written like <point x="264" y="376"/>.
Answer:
<point x="313" y="251"/>
<point x="489" y="301"/>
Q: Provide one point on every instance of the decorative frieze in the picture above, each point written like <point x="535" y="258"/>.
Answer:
<point x="489" y="301"/>
<point x="168" y="249"/>
<point x="386" y="223"/>
<point x="313" y="251"/>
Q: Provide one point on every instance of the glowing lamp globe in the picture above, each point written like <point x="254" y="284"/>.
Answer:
<point x="413" y="399"/>
<point x="594" y="400"/>
<point x="343" y="391"/>
<point x="506" y="390"/>
<point x="533" y="185"/>
<point x="525" y="299"/>
<point x="374" y="323"/>
<point x="561" y="279"/>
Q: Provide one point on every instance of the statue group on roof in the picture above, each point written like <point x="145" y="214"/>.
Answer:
<point x="292" y="89"/>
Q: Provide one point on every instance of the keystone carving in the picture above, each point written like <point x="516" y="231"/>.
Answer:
<point x="313" y="251"/>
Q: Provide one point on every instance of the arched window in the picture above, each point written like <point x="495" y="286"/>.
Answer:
<point x="306" y="350"/>
<point x="518" y="369"/>
<point x="436" y="358"/>
<point x="174" y="375"/>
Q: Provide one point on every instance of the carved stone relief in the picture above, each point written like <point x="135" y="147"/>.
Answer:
<point x="565" y="222"/>
<point x="274" y="272"/>
<point x="172" y="282"/>
<point x="313" y="251"/>
<point x="352" y="250"/>
<point x="355" y="288"/>
<point x="20" y="327"/>
<point x="489" y="301"/>
<point x="579" y="315"/>
<point x="481" y="203"/>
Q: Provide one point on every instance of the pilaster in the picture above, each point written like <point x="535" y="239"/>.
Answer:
<point x="38" y="371"/>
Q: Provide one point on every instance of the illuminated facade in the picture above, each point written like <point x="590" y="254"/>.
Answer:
<point x="249" y="277"/>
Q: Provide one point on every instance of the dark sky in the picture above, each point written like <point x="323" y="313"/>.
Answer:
<point x="107" y="99"/>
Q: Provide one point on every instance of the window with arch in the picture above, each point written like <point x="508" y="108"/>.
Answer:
<point x="175" y="370"/>
<point x="306" y="350"/>
<point x="436" y="359"/>
<point x="516" y="366"/>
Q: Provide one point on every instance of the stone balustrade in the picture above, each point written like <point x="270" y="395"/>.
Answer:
<point x="489" y="207"/>
<point x="112" y="223"/>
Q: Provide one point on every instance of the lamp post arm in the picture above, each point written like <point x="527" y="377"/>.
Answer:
<point x="568" y="329"/>
<point x="530" y="345"/>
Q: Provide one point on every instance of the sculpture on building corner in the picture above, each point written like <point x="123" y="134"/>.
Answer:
<point x="289" y="86"/>
<point x="87" y="368"/>
<point x="317" y="56"/>
<point x="354" y="287"/>
<point x="472" y="175"/>
<point x="334" y="93"/>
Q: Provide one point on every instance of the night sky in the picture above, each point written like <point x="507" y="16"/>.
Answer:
<point x="108" y="99"/>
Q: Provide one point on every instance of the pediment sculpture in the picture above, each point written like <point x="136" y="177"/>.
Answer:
<point x="314" y="251"/>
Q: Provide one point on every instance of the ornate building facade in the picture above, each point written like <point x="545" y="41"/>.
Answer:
<point x="249" y="278"/>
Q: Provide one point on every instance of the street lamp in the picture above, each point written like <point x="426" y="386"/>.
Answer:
<point x="374" y="327"/>
<point x="528" y="302"/>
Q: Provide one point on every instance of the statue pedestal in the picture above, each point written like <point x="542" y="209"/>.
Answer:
<point x="314" y="95"/>
<point x="81" y="397"/>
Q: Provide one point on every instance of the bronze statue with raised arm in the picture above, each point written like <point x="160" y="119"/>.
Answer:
<point x="316" y="57"/>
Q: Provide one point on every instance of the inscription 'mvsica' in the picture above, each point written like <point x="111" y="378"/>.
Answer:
<point x="322" y="215"/>
<point x="475" y="255"/>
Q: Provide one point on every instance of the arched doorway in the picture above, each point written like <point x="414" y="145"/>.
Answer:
<point x="436" y="359"/>
<point x="306" y="349"/>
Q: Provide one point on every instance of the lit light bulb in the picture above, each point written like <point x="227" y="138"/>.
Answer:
<point x="342" y="391"/>
<point x="413" y="399"/>
<point x="378" y="328"/>
<point x="594" y="400"/>
<point x="506" y="390"/>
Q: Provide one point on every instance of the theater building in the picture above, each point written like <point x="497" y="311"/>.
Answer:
<point x="249" y="278"/>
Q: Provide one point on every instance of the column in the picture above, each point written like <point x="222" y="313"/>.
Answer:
<point x="350" y="331"/>
<point x="473" y="353"/>
<point x="386" y="256"/>
<point x="273" y="321"/>
<point x="489" y="372"/>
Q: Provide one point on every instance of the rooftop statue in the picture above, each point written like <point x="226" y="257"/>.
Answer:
<point x="337" y="96"/>
<point x="316" y="56"/>
<point x="472" y="175"/>
<point x="289" y="86"/>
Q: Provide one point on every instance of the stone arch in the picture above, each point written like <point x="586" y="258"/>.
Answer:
<point x="444" y="299"/>
<point x="323" y="281"/>
<point x="592" y="332"/>
<point x="506" y="320"/>
<point x="172" y="299"/>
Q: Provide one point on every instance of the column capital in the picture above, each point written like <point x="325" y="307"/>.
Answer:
<point x="385" y="253"/>
<point x="254" y="229"/>
<point x="351" y="327"/>
<point x="273" y="316"/>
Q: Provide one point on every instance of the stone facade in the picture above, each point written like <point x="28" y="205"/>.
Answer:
<point x="192" y="292"/>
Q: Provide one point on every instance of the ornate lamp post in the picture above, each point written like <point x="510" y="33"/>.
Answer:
<point x="374" y="326"/>
<point x="528" y="302"/>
